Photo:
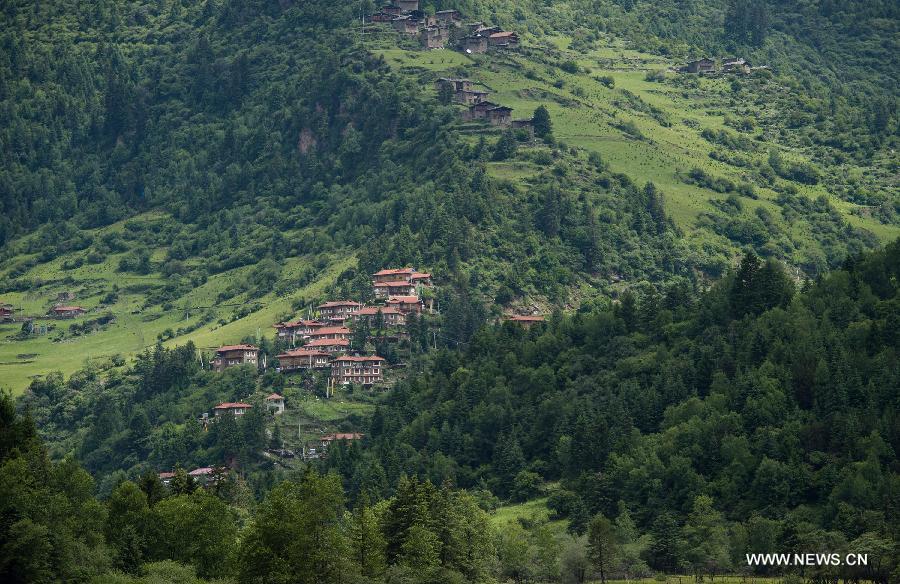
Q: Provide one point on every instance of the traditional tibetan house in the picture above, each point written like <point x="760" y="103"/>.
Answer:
<point x="303" y="358"/>
<point x="500" y="116"/>
<point x="275" y="403"/>
<point x="67" y="311"/>
<point x="357" y="370"/>
<point x="339" y="310"/>
<point x="479" y="111"/>
<point x="392" y="275"/>
<point x="297" y="329"/>
<point x="391" y="315"/>
<point x="332" y="346"/>
<point x="407" y="5"/>
<point x="407" y="304"/>
<point x="5" y="312"/>
<point x="381" y="16"/>
<point x="455" y="85"/>
<point x="166" y="477"/>
<point x="337" y="436"/>
<point x="448" y="17"/>
<point x="434" y="37"/>
<point x="406" y="25"/>
<point x="234" y="408"/>
<point x="504" y="40"/>
<point x="737" y="65"/>
<point x="232" y="355"/>
<point x="475" y="44"/>
<point x="471" y="97"/>
<point x="395" y="288"/>
<point x="331" y="332"/>
<point x="704" y="65"/>
<point x="526" y="321"/>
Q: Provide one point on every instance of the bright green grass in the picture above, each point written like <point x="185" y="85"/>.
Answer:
<point x="535" y="511"/>
<point x="136" y="326"/>
<point x="584" y="115"/>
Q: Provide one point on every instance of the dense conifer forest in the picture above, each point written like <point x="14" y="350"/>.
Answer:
<point x="711" y="266"/>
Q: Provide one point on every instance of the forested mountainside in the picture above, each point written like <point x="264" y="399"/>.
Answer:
<point x="677" y="433"/>
<point x="194" y="171"/>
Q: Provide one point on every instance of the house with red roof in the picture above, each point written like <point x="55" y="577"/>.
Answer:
<point x="339" y="310"/>
<point x="303" y="358"/>
<point x="359" y="370"/>
<point x="407" y="304"/>
<point x="275" y="403"/>
<point x="527" y="320"/>
<point x="67" y="311"/>
<point x="391" y="315"/>
<point x="331" y="332"/>
<point x="394" y="288"/>
<point x="291" y="331"/>
<point x="504" y="39"/>
<point x="235" y="408"/>
<point x="233" y="355"/>
<point x="328" y="345"/>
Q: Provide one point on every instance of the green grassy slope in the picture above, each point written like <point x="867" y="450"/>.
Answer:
<point x="586" y="114"/>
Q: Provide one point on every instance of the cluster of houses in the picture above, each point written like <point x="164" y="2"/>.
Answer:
<point x="203" y="476"/>
<point x="325" y="342"/>
<point x="708" y="66"/>
<point x="405" y="17"/>
<point x="479" y="107"/>
<point x="433" y="30"/>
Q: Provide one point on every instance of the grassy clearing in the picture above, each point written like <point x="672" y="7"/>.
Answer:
<point x="588" y="114"/>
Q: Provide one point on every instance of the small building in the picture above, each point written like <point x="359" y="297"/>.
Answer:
<point x="704" y="65"/>
<point x="407" y="5"/>
<point x="339" y="310"/>
<point x="486" y="31"/>
<point x="395" y="288"/>
<point x="407" y="304"/>
<point x="434" y="37"/>
<point x="455" y="85"/>
<point x="331" y="332"/>
<point x="391" y="315"/>
<point x="359" y="370"/>
<point x="449" y="17"/>
<point x="332" y="346"/>
<point x="526" y="321"/>
<point x="235" y="408"/>
<point x="503" y="40"/>
<point x="736" y="65"/>
<point x="479" y="111"/>
<point x="203" y="476"/>
<point x="275" y="404"/>
<point x="406" y="25"/>
<point x="381" y="16"/>
<point x="5" y="312"/>
<point x="390" y="275"/>
<point x="232" y="355"/>
<point x="303" y="358"/>
<point x="166" y="477"/>
<point x="67" y="311"/>
<point x="391" y="9"/>
<point x="471" y="97"/>
<point x="475" y="44"/>
<point x="526" y="125"/>
<point x="297" y="329"/>
<point x="329" y="439"/>
<point x="500" y="116"/>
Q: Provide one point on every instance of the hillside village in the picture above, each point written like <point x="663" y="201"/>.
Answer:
<point x="331" y="346"/>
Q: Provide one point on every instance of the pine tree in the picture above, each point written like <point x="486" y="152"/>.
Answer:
<point x="543" y="126"/>
<point x="602" y="544"/>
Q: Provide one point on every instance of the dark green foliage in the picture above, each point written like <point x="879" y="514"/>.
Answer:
<point x="543" y="126"/>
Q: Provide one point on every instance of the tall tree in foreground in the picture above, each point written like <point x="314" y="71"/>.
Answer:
<point x="602" y="545"/>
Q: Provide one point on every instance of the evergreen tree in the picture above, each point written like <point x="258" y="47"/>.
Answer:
<point x="543" y="126"/>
